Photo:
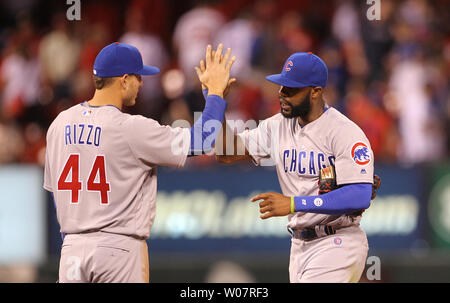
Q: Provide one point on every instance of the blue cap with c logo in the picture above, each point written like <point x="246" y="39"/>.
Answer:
<point x="117" y="59"/>
<point x="301" y="70"/>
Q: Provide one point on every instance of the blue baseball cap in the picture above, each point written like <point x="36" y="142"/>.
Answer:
<point x="118" y="59"/>
<point x="301" y="70"/>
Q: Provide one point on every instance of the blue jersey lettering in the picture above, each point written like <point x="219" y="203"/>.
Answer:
<point x="301" y="155"/>
<point x="285" y="155"/>
<point x="312" y="169"/>
<point x="293" y="160"/>
<point x="93" y="136"/>
<point x="81" y="133"/>
<point x="74" y="134"/>
<point x="97" y="133"/>
<point x="331" y="160"/>
<point x="89" y="135"/>
<point x="67" y="134"/>
<point x="320" y="160"/>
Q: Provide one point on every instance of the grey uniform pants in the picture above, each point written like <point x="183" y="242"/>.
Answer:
<point x="100" y="257"/>
<point x="335" y="258"/>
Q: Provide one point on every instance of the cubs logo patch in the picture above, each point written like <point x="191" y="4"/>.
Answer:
<point x="361" y="154"/>
<point x="287" y="66"/>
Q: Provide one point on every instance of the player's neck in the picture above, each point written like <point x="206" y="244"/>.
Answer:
<point x="317" y="110"/>
<point x="106" y="97"/>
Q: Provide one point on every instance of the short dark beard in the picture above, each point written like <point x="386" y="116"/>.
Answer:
<point x="302" y="110"/>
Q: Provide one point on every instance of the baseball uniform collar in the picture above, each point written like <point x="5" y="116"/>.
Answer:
<point x="86" y="104"/>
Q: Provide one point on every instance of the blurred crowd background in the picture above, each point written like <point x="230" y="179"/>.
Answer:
<point x="390" y="76"/>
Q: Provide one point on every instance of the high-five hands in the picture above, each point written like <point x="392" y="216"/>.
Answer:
<point x="215" y="74"/>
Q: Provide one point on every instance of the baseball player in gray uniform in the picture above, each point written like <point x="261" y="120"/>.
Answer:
<point x="303" y="140"/>
<point x="101" y="166"/>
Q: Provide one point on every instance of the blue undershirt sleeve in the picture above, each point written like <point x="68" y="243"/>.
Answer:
<point x="344" y="200"/>
<point x="206" y="129"/>
<point x="205" y="93"/>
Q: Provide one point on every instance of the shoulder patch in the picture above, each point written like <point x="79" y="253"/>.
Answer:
<point x="361" y="154"/>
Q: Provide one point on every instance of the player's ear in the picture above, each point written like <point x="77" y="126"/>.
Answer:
<point x="124" y="81"/>
<point x="316" y="92"/>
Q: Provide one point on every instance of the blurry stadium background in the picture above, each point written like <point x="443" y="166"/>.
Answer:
<point x="390" y="76"/>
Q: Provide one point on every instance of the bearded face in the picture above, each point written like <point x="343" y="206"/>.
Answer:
<point x="295" y="101"/>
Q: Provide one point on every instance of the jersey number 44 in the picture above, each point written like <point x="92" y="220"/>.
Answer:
<point x="75" y="184"/>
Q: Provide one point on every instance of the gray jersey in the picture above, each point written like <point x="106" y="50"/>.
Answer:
<point x="300" y="152"/>
<point x="101" y="167"/>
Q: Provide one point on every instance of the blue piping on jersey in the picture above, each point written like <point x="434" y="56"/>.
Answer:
<point x="96" y="106"/>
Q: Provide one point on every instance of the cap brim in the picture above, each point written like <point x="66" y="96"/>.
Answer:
<point x="148" y="70"/>
<point x="281" y="80"/>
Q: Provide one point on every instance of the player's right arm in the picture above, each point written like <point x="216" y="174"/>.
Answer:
<point x="154" y="144"/>
<point x="215" y="76"/>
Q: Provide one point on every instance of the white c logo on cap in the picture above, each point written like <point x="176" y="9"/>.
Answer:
<point x="287" y="66"/>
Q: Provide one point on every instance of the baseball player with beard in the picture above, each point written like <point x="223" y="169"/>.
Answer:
<point x="325" y="167"/>
<point x="101" y="166"/>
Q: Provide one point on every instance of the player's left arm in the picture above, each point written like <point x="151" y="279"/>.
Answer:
<point x="341" y="201"/>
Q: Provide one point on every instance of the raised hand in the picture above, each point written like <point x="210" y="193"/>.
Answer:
<point x="215" y="74"/>
<point x="202" y="69"/>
